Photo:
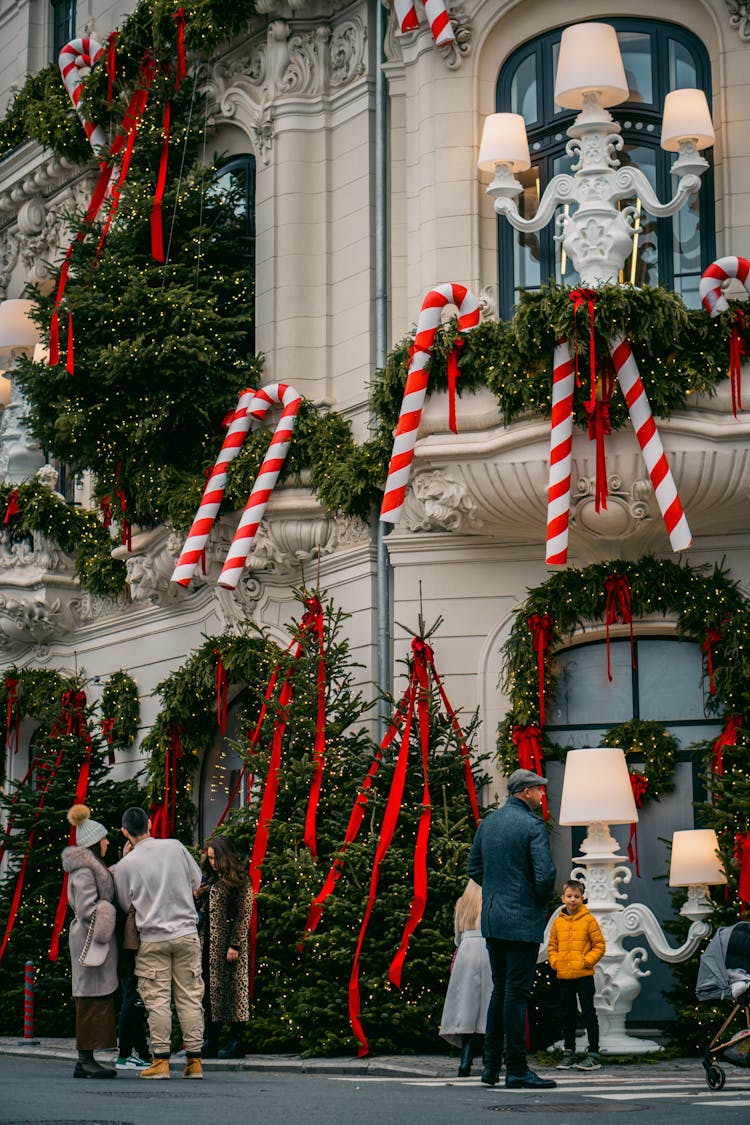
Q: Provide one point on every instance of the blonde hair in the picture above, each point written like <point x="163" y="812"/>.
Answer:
<point x="469" y="908"/>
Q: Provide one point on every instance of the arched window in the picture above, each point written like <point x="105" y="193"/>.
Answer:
<point x="673" y="252"/>
<point x="236" y="181"/>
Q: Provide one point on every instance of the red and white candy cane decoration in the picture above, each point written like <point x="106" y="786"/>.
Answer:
<point x="715" y="302"/>
<point x="76" y="60"/>
<point x="560" y="455"/>
<point x="415" y="390"/>
<point x="437" y="16"/>
<point x="269" y="473"/>
<point x="651" y="447"/>
<point x="213" y="493"/>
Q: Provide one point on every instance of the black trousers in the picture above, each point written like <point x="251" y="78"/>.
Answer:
<point x="513" y="964"/>
<point x="581" y="989"/>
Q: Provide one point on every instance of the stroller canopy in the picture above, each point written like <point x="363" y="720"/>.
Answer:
<point x="729" y="943"/>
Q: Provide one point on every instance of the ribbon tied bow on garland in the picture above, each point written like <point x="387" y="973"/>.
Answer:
<point x="617" y="609"/>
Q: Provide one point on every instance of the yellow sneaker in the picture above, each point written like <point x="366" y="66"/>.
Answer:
<point x="193" y="1068"/>
<point x="159" y="1069"/>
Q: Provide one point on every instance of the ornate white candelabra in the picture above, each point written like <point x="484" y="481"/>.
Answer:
<point x="596" y="236"/>
<point x="597" y="793"/>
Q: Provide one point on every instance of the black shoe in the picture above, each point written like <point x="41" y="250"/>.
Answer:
<point x="210" y="1049"/>
<point x="528" y="1081"/>
<point x="233" y="1050"/>
<point x="490" y="1076"/>
<point x="99" y="1072"/>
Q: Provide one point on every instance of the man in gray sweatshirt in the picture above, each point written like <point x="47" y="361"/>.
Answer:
<point x="157" y="878"/>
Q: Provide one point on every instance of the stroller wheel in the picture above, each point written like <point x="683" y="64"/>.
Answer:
<point x="715" y="1077"/>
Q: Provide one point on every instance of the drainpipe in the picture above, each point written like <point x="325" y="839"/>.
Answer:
<point x="381" y="350"/>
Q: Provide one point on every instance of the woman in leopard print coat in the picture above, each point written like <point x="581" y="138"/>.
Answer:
<point x="226" y="924"/>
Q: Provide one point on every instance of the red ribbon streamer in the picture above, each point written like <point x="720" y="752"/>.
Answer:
<point x="312" y="623"/>
<point x="12" y="685"/>
<point x="737" y="351"/>
<point x="108" y="733"/>
<point x="222" y="691"/>
<point x="528" y="743"/>
<point x="742" y="855"/>
<point x="105" y="507"/>
<point x="82" y="786"/>
<point x="111" y="64"/>
<point x="587" y="297"/>
<point x="13" y="507"/>
<point x="157" y="231"/>
<point x="639" y="785"/>
<point x="453" y="377"/>
<point x="541" y="626"/>
<point x="727" y="738"/>
<point x="126" y="530"/>
<point x="422" y="658"/>
<point x="713" y="636"/>
<point x="599" y="426"/>
<point x="181" y="70"/>
<point x="617" y="609"/>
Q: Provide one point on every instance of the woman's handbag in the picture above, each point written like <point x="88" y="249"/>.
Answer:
<point x="94" y="953"/>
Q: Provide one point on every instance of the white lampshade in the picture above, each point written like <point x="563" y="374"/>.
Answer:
<point x="504" y="141"/>
<point x="686" y="117"/>
<point x="596" y="787"/>
<point x="695" y="858"/>
<point x="589" y="60"/>
<point x="17" y="330"/>
<point x="5" y="389"/>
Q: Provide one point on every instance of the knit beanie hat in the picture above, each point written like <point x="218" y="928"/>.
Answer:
<point x="88" y="831"/>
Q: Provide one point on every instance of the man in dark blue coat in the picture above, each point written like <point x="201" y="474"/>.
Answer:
<point x="511" y="860"/>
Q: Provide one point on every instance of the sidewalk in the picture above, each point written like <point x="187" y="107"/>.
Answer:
<point x="381" y="1066"/>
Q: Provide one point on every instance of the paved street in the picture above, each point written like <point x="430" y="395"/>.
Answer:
<point x="42" y="1091"/>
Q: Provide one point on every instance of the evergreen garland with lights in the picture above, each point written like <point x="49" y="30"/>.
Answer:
<point x="120" y="704"/>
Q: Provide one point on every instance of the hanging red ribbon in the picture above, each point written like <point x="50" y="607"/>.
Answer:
<point x="105" y="507"/>
<point x="222" y="691"/>
<point x="617" y="609"/>
<point x="742" y="857"/>
<point x="528" y="743"/>
<point x="422" y="655"/>
<point x="82" y="787"/>
<point x="108" y="733"/>
<point x="13" y="508"/>
<point x="111" y="64"/>
<point x="713" y="636"/>
<point x="453" y="377"/>
<point x="639" y="785"/>
<point x="157" y="231"/>
<point x="599" y="426"/>
<point x="727" y="738"/>
<point x="12" y="685"/>
<point x="542" y="627"/>
<point x="181" y="69"/>
<point x="737" y="352"/>
<point x="126" y="530"/>
<point x="312" y="624"/>
<point x="587" y="298"/>
<point x="355" y="820"/>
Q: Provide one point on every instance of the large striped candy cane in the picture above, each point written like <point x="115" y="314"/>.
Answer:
<point x="437" y="16"/>
<point x="213" y="493"/>
<point x="415" y="390"/>
<point x="75" y="61"/>
<point x="651" y="447"/>
<point x="269" y="473"/>
<point x="560" y="455"/>
<point x="715" y="303"/>
<point x="719" y="271"/>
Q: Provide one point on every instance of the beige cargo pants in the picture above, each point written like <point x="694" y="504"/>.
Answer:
<point x="167" y="969"/>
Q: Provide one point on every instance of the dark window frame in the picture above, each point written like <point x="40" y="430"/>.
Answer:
<point x="64" y="18"/>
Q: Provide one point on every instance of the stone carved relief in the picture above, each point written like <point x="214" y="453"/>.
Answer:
<point x="149" y="565"/>
<point x="308" y="62"/>
<point x="627" y="508"/>
<point x="436" y="502"/>
<point x="739" y="18"/>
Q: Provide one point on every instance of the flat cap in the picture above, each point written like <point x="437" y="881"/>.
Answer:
<point x="524" y="779"/>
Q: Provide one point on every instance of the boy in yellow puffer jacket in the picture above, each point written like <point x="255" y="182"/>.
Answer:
<point x="575" y="945"/>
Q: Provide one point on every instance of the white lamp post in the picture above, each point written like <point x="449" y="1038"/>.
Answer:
<point x="20" y="456"/>
<point x="595" y="235"/>
<point x="597" y="793"/>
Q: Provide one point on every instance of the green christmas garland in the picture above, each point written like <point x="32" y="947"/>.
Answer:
<point x="120" y="704"/>
<point x="648" y="742"/>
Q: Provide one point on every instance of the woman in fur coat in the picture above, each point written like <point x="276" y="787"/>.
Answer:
<point x="470" y="986"/>
<point x="225" y="929"/>
<point x="93" y="948"/>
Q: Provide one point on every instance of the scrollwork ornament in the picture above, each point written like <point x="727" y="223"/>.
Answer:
<point x="739" y="18"/>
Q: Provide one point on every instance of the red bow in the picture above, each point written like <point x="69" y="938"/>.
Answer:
<point x="639" y="785"/>
<point x="453" y="376"/>
<point x="541" y="626"/>
<point x="617" y="609"/>
<point x="728" y="737"/>
<point x="528" y="742"/>
<point x="13" y="509"/>
<point x="581" y="297"/>
<point x="737" y="350"/>
<point x="713" y="636"/>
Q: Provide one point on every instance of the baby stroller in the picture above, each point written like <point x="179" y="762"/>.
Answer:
<point x="724" y="974"/>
